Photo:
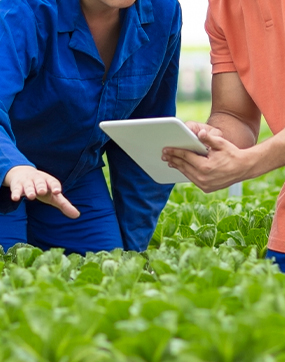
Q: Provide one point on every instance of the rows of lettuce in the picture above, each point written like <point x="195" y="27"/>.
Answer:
<point x="202" y="292"/>
<point x="178" y="303"/>
<point x="215" y="219"/>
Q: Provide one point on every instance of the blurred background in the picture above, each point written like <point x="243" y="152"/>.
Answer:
<point x="195" y="69"/>
<point x="194" y="88"/>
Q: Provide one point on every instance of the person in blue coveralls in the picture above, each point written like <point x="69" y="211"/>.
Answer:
<point x="66" y="65"/>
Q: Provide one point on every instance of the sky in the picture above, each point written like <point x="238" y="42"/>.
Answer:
<point x="194" y="14"/>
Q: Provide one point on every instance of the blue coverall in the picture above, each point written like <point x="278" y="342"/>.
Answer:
<point x="52" y="98"/>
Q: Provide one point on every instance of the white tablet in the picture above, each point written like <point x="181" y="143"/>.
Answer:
<point x="144" y="139"/>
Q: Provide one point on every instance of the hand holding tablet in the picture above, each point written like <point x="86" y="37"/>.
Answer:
<point x="144" y="139"/>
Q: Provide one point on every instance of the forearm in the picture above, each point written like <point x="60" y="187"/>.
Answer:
<point x="233" y="111"/>
<point x="233" y="130"/>
<point x="256" y="159"/>
<point x="266" y="156"/>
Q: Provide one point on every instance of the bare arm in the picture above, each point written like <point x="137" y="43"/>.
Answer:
<point x="233" y="111"/>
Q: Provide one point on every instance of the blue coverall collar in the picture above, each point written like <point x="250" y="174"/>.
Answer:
<point x="145" y="11"/>
<point x="68" y="13"/>
<point x="133" y="37"/>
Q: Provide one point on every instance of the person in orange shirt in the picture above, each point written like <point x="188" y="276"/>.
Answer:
<point x="247" y="54"/>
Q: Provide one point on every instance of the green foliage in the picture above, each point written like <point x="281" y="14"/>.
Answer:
<point x="202" y="292"/>
<point x="180" y="302"/>
<point x="213" y="220"/>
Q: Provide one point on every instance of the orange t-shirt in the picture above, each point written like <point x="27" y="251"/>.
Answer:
<point x="248" y="36"/>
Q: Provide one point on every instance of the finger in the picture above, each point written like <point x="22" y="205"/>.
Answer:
<point x="211" y="140"/>
<point x="182" y="163"/>
<point x="60" y="202"/>
<point x="54" y="186"/>
<point x="29" y="190"/>
<point x="185" y="162"/>
<point x="41" y="187"/>
<point x="193" y="126"/>
<point x="200" y="174"/>
<point x="66" y="207"/>
<point x="216" y="132"/>
<point x="187" y="169"/>
<point x="16" y="191"/>
<point x="180" y="157"/>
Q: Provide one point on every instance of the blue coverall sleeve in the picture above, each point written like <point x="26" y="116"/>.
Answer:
<point x="18" y="58"/>
<point x="138" y="199"/>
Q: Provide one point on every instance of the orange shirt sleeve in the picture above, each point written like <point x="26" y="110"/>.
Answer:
<point x="221" y="59"/>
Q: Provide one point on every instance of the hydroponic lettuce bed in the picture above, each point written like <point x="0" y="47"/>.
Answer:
<point x="201" y="292"/>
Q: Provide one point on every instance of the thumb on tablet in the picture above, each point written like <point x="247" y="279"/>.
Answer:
<point x="211" y="141"/>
